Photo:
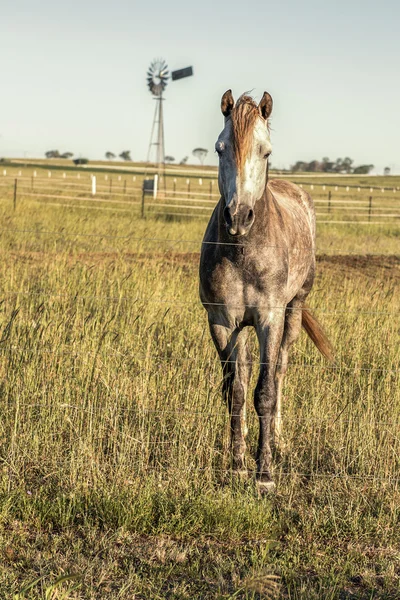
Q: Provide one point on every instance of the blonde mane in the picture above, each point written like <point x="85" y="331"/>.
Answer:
<point x="244" y="116"/>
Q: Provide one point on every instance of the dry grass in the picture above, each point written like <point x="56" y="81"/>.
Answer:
<point x="114" y="441"/>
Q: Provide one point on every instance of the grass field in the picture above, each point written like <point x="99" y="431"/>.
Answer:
<point x="187" y="191"/>
<point x="114" y="447"/>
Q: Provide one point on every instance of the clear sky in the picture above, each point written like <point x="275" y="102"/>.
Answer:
<point x="73" y="75"/>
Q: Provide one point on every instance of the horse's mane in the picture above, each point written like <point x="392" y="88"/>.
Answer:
<point x="243" y="115"/>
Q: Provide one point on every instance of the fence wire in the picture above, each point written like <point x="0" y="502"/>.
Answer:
<point x="159" y="360"/>
<point x="174" y="302"/>
<point x="132" y="238"/>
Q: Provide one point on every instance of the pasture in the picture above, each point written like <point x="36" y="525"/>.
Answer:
<point x="114" y="442"/>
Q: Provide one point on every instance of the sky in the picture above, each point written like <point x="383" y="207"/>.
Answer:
<point x="73" y="76"/>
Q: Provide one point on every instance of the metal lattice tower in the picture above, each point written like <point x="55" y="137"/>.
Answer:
<point x="157" y="79"/>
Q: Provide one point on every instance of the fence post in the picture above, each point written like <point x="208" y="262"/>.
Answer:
<point x="142" y="208"/>
<point x="32" y="183"/>
<point x="93" y="185"/>
<point x="155" y="186"/>
<point x="124" y="186"/>
<point x="174" y="187"/>
<point x="15" y="193"/>
<point x="188" y="186"/>
<point x="211" y="184"/>
<point x="329" y="201"/>
<point x="370" y="208"/>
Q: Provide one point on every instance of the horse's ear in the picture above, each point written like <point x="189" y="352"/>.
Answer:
<point x="265" y="106"/>
<point x="227" y="103"/>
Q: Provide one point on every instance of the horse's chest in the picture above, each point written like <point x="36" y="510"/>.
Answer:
<point x="240" y="286"/>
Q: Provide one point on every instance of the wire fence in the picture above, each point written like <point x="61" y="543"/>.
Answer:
<point x="179" y="303"/>
<point x="144" y="240"/>
<point x="337" y="206"/>
<point x="130" y="355"/>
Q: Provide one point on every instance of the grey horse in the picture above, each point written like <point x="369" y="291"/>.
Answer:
<point x="257" y="267"/>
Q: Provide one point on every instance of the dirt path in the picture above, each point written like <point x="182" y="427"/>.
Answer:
<point x="386" y="265"/>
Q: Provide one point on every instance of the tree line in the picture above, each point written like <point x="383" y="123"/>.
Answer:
<point x="340" y="165"/>
<point x="199" y="153"/>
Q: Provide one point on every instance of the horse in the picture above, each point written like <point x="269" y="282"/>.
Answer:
<point x="257" y="267"/>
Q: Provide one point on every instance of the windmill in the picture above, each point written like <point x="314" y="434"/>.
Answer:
<point x="157" y="80"/>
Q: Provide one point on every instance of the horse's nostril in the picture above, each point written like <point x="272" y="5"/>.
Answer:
<point x="250" y="215"/>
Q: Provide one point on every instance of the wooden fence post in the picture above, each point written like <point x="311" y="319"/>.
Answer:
<point x="142" y="207"/>
<point x="329" y="201"/>
<point x="124" y="186"/>
<point x="369" y="208"/>
<point x="15" y="193"/>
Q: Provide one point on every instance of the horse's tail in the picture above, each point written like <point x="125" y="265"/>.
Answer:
<point x="316" y="333"/>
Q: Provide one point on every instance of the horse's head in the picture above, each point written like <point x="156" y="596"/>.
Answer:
<point x="243" y="148"/>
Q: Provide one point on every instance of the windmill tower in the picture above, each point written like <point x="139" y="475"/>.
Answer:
<point x="157" y="80"/>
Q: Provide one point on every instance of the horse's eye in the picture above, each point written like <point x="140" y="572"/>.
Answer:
<point x="267" y="155"/>
<point x="219" y="148"/>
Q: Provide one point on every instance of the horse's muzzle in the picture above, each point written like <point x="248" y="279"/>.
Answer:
<point x="238" y="222"/>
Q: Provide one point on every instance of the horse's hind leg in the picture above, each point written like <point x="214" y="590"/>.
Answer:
<point x="236" y="366"/>
<point x="291" y="332"/>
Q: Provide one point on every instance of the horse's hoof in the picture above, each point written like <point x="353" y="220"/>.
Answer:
<point x="266" y="488"/>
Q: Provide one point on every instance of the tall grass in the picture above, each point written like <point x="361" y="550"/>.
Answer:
<point x="114" y="442"/>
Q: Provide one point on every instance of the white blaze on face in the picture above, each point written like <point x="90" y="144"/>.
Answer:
<point x="247" y="186"/>
<point x="250" y="183"/>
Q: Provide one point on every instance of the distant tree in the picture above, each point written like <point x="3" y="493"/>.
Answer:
<point x="386" y="171"/>
<point x="327" y="165"/>
<point x="169" y="159"/>
<point x="125" y="155"/>
<point x="80" y="161"/>
<point x="363" y="169"/>
<point x="338" y="166"/>
<point x="347" y="165"/>
<point x="110" y="155"/>
<point x="314" y="166"/>
<point x="52" y="154"/>
<point x="200" y="153"/>
<point x="66" y="155"/>
<point x="184" y="160"/>
<point x="300" y="165"/>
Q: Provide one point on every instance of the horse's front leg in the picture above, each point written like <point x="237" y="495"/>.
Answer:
<point x="236" y="367"/>
<point x="269" y="332"/>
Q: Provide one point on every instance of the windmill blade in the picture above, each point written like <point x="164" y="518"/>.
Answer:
<point x="157" y="76"/>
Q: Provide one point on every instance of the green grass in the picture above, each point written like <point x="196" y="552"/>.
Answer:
<point x="114" y="446"/>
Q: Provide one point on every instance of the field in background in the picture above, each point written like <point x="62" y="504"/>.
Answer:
<point x="114" y="451"/>
<point x="186" y="191"/>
